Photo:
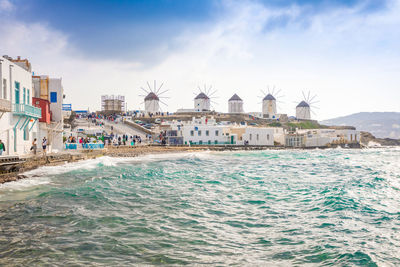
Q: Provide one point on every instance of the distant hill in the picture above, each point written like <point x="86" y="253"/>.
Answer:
<point x="380" y="124"/>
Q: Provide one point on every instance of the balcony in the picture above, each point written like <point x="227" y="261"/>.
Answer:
<point x="5" y="105"/>
<point x="27" y="110"/>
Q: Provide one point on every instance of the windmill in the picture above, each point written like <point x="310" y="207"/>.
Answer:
<point x="269" y="102"/>
<point x="304" y="108"/>
<point x="203" y="100"/>
<point x="235" y="104"/>
<point x="152" y="98"/>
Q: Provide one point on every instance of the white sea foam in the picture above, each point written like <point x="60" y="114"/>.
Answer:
<point x="23" y="184"/>
<point x="67" y="167"/>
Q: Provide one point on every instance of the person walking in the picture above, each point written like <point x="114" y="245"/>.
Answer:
<point x="2" y="147"/>
<point x="44" y="145"/>
<point x="34" y="146"/>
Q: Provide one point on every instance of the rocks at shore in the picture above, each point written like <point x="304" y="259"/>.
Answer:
<point x="367" y="139"/>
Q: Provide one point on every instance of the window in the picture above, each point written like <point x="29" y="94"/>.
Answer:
<point x="251" y="136"/>
<point x="207" y="133"/>
<point x="216" y="142"/>
<point x="209" y="142"/>
<point x="16" y="92"/>
<point x="216" y="133"/>
<point x="53" y="97"/>
<point x="199" y="133"/>
<point x="28" y="98"/>
<point x="257" y="137"/>
<point x="267" y="136"/>
<point x="191" y="133"/>
<point x="200" y="142"/>
<point x="24" y="96"/>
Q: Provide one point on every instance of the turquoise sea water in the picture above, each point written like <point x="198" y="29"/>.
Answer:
<point x="317" y="207"/>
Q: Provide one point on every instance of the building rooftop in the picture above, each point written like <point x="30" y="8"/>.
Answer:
<point x="151" y="96"/>
<point x="235" y="97"/>
<point x="269" y="97"/>
<point x="303" y="104"/>
<point x="202" y="96"/>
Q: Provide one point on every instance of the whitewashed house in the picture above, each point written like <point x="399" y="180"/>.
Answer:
<point x="18" y="117"/>
<point x="253" y="136"/>
<point x="205" y="131"/>
<point x="324" y="137"/>
<point x="49" y="95"/>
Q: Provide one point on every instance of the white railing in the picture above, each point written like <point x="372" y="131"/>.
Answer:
<point x="27" y="110"/>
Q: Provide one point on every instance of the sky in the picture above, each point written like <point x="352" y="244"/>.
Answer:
<point x="344" y="52"/>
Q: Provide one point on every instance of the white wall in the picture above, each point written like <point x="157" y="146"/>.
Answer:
<point x="269" y="108"/>
<point x="9" y="120"/>
<point x="279" y="135"/>
<point x="151" y="106"/>
<point x="201" y="104"/>
<point x="197" y="132"/>
<point x="259" y="136"/>
<point x="235" y="106"/>
<point x="55" y="86"/>
<point x="303" y="113"/>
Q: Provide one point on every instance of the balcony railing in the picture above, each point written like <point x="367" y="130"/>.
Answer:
<point x="5" y="105"/>
<point x="27" y="110"/>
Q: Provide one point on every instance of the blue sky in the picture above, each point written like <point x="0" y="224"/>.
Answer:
<point x="346" y="52"/>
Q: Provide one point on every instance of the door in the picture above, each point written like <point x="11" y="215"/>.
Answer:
<point x="16" y="92"/>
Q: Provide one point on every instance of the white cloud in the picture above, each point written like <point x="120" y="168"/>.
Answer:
<point x="349" y="60"/>
<point x="6" y="6"/>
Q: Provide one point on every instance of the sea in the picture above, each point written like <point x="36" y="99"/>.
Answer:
<point x="332" y="207"/>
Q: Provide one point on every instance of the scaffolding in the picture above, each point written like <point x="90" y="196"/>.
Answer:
<point x="113" y="103"/>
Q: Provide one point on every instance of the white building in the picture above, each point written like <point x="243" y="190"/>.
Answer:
<point x="235" y="104"/>
<point x="279" y="135"/>
<point x="206" y="131"/>
<point x="51" y="89"/>
<point x="324" y="137"/>
<point x="303" y="111"/>
<point x="253" y="136"/>
<point x="18" y="118"/>
<point x="202" y="102"/>
<point x="151" y="103"/>
<point x="269" y="107"/>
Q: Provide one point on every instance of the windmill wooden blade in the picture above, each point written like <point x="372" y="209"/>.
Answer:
<point x="147" y="92"/>
<point x="158" y="90"/>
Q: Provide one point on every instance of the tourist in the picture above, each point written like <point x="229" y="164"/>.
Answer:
<point x="34" y="146"/>
<point x="44" y="145"/>
<point x="2" y="147"/>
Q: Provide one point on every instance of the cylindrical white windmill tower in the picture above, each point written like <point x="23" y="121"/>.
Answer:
<point x="269" y="107"/>
<point x="202" y="102"/>
<point x="303" y="111"/>
<point x="235" y="104"/>
<point x="151" y="103"/>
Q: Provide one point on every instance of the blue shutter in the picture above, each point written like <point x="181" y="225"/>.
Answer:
<point x="53" y="97"/>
